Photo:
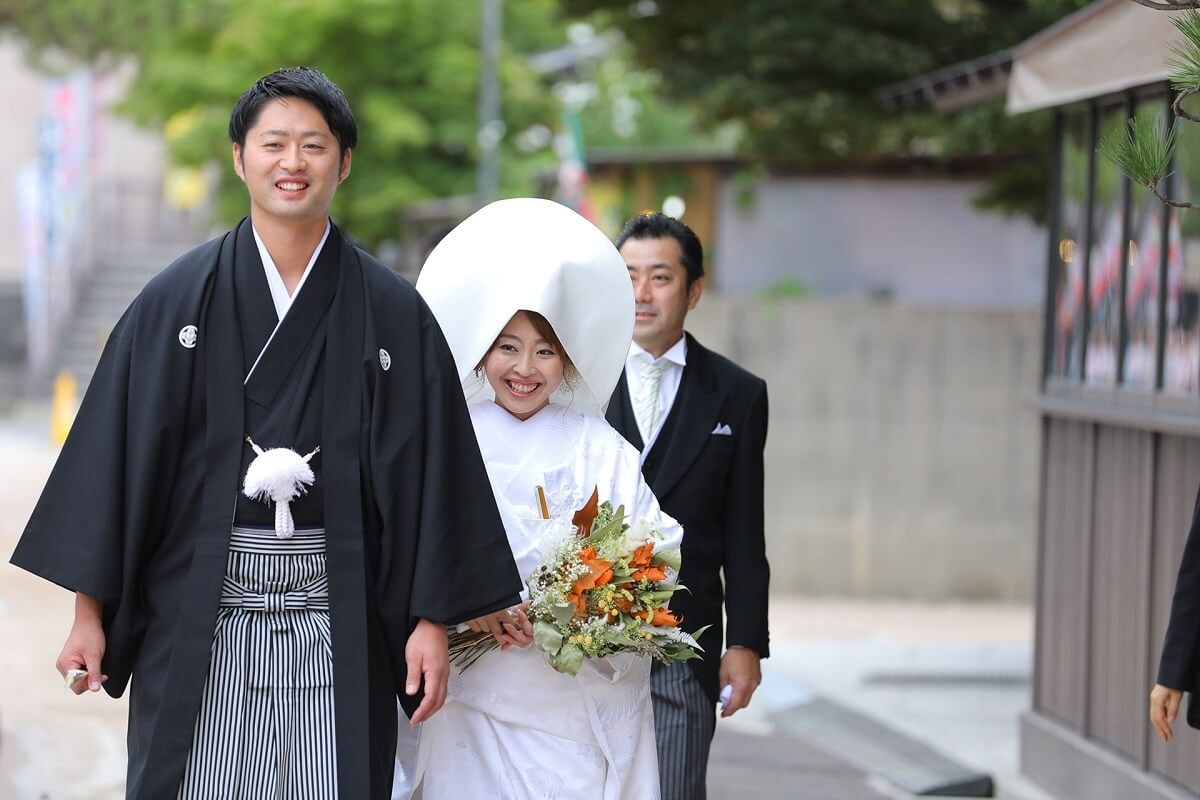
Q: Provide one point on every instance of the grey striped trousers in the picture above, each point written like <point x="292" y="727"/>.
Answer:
<point x="265" y="728"/>
<point x="684" y="722"/>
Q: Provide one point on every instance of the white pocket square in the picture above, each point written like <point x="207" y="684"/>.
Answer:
<point x="722" y="429"/>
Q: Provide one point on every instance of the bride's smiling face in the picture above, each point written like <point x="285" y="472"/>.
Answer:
<point x="523" y="367"/>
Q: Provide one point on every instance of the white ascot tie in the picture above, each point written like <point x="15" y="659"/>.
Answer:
<point x="645" y="405"/>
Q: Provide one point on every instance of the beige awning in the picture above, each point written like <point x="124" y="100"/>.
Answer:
<point x="1106" y="47"/>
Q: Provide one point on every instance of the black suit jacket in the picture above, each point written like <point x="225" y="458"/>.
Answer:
<point x="712" y="483"/>
<point x="1178" y="667"/>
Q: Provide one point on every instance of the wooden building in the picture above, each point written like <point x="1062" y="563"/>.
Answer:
<point x="1120" y="412"/>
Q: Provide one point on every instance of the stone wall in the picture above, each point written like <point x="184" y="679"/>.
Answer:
<point x="902" y="451"/>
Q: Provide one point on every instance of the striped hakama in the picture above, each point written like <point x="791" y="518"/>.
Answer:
<point x="265" y="730"/>
<point x="684" y="722"/>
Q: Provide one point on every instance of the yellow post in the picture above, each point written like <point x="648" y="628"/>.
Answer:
<point x="62" y="407"/>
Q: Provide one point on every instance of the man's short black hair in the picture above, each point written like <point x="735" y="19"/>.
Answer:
<point x="660" y="226"/>
<point x="305" y="83"/>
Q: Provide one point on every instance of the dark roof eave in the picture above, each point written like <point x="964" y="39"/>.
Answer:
<point x="951" y="88"/>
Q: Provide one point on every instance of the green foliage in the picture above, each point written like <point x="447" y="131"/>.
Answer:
<point x="799" y="79"/>
<point x="629" y="110"/>
<point x="1184" y="63"/>
<point x="410" y="70"/>
<point x="1143" y="150"/>
<point x="100" y="31"/>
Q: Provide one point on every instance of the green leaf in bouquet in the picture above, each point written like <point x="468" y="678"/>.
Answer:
<point x="678" y="651"/>
<point x="668" y="556"/>
<point x="612" y="527"/>
<point x="562" y="612"/>
<point x="625" y="639"/>
<point x="603" y="516"/>
<point x="567" y="660"/>
<point x="658" y="596"/>
<point x="698" y="633"/>
<point x="547" y="637"/>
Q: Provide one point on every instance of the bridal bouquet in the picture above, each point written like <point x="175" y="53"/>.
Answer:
<point x="599" y="589"/>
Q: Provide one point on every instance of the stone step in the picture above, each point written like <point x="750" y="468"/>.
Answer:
<point x="114" y="284"/>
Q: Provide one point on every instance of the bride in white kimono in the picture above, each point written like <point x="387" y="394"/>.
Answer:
<point x="538" y="309"/>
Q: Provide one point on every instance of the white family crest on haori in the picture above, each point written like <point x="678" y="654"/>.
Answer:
<point x="385" y="359"/>
<point x="188" y="336"/>
<point x="279" y="476"/>
<point x="533" y="255"/>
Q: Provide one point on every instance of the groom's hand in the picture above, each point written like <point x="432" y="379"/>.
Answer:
<point x="84" y="648"/>
<point x="740" y="668"/>
<point x="428" y="657"/>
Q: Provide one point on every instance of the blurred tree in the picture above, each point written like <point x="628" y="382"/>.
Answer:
<point x="799" y="78"/>
<point x="410" y="70"/>
<point x="623" y="105"/>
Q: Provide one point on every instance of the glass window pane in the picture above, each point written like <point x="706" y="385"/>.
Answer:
<point x="1141" y="296"/>
<point x="1105" y="263"/>
<point x="1065" y="359"/>
<point x="1181" y="367"/>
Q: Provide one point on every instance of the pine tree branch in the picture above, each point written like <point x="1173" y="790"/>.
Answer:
<point x="1177" y="106"/>
<point x="1143" y="149"/>
<point x="1169" y="5"/>
<point x="1166" y="200"/>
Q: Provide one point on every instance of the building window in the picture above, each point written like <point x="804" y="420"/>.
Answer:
<point x="1181" y="361"/>
<point x="1106" y="258"/>
<point x="1124" y="277"/>
<point x="1066" y="359"/>
<point x="1144" y="259"/>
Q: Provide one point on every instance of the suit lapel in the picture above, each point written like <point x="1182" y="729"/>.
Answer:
<point x="620" y="414"/>
<point x="695" y="410"/>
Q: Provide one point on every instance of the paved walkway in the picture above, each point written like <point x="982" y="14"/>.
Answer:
<point x="953" y="677"/>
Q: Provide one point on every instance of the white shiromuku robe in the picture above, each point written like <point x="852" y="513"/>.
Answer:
<point x="512" y="726"/>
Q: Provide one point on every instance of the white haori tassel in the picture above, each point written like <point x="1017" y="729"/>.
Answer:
<point x="279" y="476"/>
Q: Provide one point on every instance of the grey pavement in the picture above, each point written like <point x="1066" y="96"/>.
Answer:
<point x="947" y="678"/>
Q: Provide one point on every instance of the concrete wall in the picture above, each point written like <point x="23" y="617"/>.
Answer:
<point x="917" y="238"/>
<point x="902" y="451"/>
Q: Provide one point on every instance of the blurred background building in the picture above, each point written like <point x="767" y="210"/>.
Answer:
<point x="1119" y="407"/>
<point x="873" y="257"/>
<point x="982" y="343"/>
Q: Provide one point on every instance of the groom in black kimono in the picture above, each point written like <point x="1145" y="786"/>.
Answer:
<point x="284" y="331"/>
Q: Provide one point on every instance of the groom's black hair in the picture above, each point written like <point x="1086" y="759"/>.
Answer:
<point x="305" y="83"/>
